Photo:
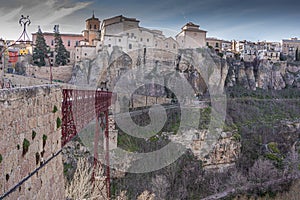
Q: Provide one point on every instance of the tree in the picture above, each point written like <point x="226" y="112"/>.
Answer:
<point x="62" y="55"/>
<point x="41" y="49"/>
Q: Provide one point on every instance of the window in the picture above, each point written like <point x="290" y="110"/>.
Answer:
<point x="120" y="40"/>
<point x="132" y="34"/>
<point x="77" y="43"/>
<point x="217" y="44"/>
<point x="85" y="54"/>
<point x="174" y="46"/>
<point x="141" y="39"/>
<point x="147" y="39"/>
<point x="109" y="45"/>
<point x="69" y="43"/>
<point x="52" y="42"/>
<point x="130" y="46"/>
<point x="167" y="45"/>
<point x="95" y="26"/>
<point x="207" y="44"/>
<point x="90" y="26"/>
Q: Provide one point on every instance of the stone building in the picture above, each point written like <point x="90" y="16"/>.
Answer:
<point x="92" y="30"/>
<point x="126" y="33"/>
<point x="289" y="46"/>
<point x="214" y="43"/>
<point x="191" y="36"/>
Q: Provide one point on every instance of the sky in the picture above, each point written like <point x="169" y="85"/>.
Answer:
<point x="253" y="20"/>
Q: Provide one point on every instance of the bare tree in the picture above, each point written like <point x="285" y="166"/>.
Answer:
<point x="262" y="171"/>
<point x="160" y="186"/>
<point x="237" y="179"/>
<point x="81" y="187"/>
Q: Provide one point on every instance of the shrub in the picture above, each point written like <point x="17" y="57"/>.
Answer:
<point x="26" y="145"/>
<point x="1" y="158"/>
<point x="54" y="109"/>
<point x="44" y="140"/>
<point x="58" y="122"/>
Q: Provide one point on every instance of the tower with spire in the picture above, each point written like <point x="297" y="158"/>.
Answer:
<point x="92" y="29"/>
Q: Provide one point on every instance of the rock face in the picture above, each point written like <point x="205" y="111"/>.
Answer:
<point x="218" y="154"/>
<point x="202" y="68"/>
<point x="87" y="73"/>
<point x="264" y="74"/>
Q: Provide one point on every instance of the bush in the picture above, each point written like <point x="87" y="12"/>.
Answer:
<point x="26" y="145"/>
<point x="58" y="122"/>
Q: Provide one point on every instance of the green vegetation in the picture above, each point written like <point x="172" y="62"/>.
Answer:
<point x="66" y="168"/>
<point x="62" y="55"/>
<point x="44" y="140"/>
<point x="33" y="134"/>
<point x="26" y="145"/>
<point x="237" y="137"/>
<point x="273" y="147"/>
<point x="1" y="158"/>
<point x="41" y="49"/>
<point x="54" y="109"/>
<point x="58" y="122"/>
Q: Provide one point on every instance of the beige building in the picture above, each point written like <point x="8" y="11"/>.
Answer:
<point x="289" y="46"/>
<point x="92" y="30"/>
<point x="126" y="33"/>
<point x="214" y="43"/>
<point x="191" y="36"/>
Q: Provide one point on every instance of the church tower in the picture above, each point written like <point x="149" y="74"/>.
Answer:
<point x="92" y="29"/>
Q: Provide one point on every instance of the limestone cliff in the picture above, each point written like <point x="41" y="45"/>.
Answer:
<point x="264" y="74"/>
<point x="205" y="70"/>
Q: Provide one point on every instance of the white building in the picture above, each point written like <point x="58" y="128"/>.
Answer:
<point x="127" y="34"/>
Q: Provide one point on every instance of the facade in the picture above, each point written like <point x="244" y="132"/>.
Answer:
<point x="268" y="55"/>
<point x="290" y="46"/>
<point x="226" y="46"/>
<point x="126" y="33"/>
<point x="69" y="40"/>
<point x="92" y="30"/>
<point x="191" y="36"/>
<point x="214" y="43"/>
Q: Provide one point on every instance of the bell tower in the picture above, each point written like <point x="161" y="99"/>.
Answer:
<point x="92" y="29"/>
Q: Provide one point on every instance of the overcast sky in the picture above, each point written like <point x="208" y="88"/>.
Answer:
<point x="254" y="20"/>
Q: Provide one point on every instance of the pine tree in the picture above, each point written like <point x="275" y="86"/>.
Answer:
<point x="41" y="49"/>
<point x="61" y="53"/>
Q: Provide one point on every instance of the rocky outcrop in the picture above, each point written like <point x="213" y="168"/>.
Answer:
<point x="87" y="73"/>
<point x="204" y="70"/>
<point x="218" y="154"/>
<point x="264" y="74"/>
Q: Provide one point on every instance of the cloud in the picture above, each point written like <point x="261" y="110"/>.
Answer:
<point x="43" y="13"/>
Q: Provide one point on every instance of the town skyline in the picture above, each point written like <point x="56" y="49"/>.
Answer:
<point x="228" y="20"/>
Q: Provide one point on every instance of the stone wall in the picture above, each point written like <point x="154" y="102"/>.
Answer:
<point x="29" y="137"/>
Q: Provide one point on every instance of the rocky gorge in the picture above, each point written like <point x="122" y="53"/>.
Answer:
<point x="260" y="132"/>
